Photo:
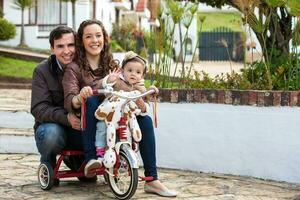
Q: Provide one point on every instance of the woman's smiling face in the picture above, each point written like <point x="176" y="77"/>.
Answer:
<point x="93" y="39"/>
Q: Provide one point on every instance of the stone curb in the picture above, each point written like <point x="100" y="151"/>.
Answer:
<point x="5" y="85"/>
<point x="24" y="55"/>
<point x="233" y="97"/>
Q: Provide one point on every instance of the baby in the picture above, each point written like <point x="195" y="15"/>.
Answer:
<point x="129" y="78"/>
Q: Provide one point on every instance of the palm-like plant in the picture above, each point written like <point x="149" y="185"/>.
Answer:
<point x="22" y="5"/>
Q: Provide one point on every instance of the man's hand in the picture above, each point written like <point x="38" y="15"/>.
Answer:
<point x="141" y="104"/>
<point x="74" y="121"/>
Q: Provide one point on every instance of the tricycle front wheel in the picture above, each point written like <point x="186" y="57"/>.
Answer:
<point x="125" y="183"/>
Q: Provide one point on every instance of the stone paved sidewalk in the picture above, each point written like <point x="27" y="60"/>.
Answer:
<point x="18" y="175"/>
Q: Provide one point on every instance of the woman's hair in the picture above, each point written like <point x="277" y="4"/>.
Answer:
<point x="106" y="58"/>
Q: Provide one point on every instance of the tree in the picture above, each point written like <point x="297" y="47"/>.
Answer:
<point x="272" y="24"/>
<point x="73" y="2"/>
<point x="271" y="21"/>
<point x="22" y="5"/>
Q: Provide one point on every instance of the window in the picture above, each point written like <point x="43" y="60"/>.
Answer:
<point x="51" y="12"/>
<point x="92" y="9"/>
<point x="32" y="13"/>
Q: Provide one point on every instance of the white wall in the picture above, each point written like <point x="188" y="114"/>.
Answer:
<point x="145" y="24"/>
<point x="262" y="142"/>
<point x="31" y="34"/>
<point x="106" y="14"/>
<point x="202" y="7"/>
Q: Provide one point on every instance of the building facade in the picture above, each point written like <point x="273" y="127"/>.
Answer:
<point x="45" y="15"/>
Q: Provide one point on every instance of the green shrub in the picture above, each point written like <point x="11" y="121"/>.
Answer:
<point x="115" y="47"/>
<point x="7" y="30"/>
<point x="285" y="75"/>
<point x="296" y="34"/>
<point x="122" y="34"/>
<point x="223" y="81"/>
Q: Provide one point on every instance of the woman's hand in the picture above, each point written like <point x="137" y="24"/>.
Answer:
<point x="141" y="104"/>
<point x="85" y="92"/>
<point x="114" y="75"/>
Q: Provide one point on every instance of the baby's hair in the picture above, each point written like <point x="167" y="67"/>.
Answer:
<point x="133" y="57"/>
<point x="136" y="59"/>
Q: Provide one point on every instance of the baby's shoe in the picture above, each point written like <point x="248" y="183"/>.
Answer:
<point x="100" y="151"/>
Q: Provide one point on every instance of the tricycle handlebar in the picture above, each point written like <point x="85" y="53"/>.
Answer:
<point x="109" y="90"/>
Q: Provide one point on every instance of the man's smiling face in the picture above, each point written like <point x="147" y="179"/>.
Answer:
<point x="64" y="48"/>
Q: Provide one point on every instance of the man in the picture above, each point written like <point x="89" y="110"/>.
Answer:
<point x="55" y="128"/>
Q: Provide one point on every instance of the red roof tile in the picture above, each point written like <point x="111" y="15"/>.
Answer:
<point x="140" y="6"/>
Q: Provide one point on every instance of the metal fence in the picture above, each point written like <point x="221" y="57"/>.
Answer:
<point x="221" y="44"/>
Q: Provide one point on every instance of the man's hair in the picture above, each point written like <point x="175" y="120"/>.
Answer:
<point x="58" y="32"/>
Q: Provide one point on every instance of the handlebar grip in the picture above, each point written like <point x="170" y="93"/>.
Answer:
<point x="152" y="91"/>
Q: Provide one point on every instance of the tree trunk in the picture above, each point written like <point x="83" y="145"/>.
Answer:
<point x="22" y="37"/>
<point x="181" y="48"/>
<point x="73" y="15"/>
<point x="278" y="34"/>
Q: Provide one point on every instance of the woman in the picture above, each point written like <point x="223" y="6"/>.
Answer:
<point x="93" y="61"/>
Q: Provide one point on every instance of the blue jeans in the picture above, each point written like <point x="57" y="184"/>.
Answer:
<point x="100" y="134"/>
<point x="52" y="138"/>
<point x="147" y="144"/>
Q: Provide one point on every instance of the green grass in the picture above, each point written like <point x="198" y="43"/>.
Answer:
<point x="16" y="68"/>
<point x="214" y="20"/>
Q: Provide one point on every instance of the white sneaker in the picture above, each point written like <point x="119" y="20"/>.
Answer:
<point x="90" y="167"/>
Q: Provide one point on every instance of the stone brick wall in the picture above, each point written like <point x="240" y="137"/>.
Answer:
<point x="234" y="97"/>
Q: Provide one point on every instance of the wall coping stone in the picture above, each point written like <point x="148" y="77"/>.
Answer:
<point x="231" y="97"/>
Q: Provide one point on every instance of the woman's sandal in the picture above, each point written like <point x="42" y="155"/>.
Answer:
<point x="164" y="193"/>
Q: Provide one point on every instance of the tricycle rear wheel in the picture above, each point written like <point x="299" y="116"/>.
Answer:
<point x="46" y="176"/>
